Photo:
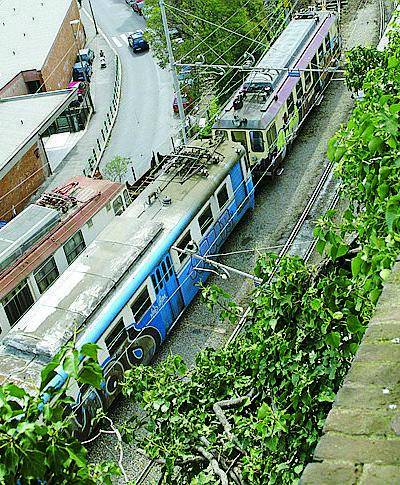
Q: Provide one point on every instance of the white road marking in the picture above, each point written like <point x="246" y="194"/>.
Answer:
<point x="124" y="38"/>
<point x="116" y="41"/>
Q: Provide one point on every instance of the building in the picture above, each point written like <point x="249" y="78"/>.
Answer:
<point x="44" y="239"/>
<point x="23" y="161"/>
<point x="38" y="45"/>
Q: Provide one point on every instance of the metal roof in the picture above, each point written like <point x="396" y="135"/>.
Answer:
<point x="23" y="117"/>
<point x="27" y="32"/>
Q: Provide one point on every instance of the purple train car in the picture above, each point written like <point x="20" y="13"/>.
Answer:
<point x="265" y="114"/>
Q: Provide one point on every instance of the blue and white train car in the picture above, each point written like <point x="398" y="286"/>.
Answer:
<point x="129" y="287"/>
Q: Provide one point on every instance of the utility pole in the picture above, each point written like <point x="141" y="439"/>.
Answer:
<point x="94" y="20"/>
<point x="173" y="69"/>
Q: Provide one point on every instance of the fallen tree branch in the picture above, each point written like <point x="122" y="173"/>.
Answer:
<point x="214" y="464"/>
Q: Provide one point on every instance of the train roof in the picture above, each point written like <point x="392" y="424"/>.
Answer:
<point x="41" y="228"/>
<point x="293" y="49"/>
<point x="123" y="251"/>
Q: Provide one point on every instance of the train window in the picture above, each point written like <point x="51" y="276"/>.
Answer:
<point x="155" y="284"/>
<point x="17" y="302"/>
<point x="116" y="337"/>
<point x="321" y="54"/>
<point x="299" y="89"/>
<point x="165" y="271"/>
<point x="314" y="62"/>
<point x="46" y="274"/>
<point x="223" y="134"/>
<point x="327" y="43"/>
<point x="256" y="141"/>
<point x="271" y="135"/>
<point x="118" y="206"/>
<point x="159" y="279"/>
<point x="141" y="304"/>
<point x="205" y="219"/>
<point x="222" y="197"/>
<point x="127" y="198"/>
<point x="169" y="265"/>
<point x="74" y="246"/>
<point x="290" y="105"/>
<point x="307" y="79"/>
<point x="183" y="243"/>
<point x="240" y="137"/>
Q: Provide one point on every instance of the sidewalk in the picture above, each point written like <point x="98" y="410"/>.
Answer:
<point x="79" y="146"/>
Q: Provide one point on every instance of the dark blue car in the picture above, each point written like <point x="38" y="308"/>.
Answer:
<point x="137" y="42"/>
<point x="82" y="71"/>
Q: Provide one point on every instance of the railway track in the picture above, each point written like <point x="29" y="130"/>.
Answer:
<point x="290" y="242"/>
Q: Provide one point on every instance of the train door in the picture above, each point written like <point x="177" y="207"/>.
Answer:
<point x="168" y="295"/>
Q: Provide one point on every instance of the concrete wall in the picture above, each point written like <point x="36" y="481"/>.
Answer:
<point x="361" y="441"/>
<point x="57" y="69"/>
<point x="19" y="184"/>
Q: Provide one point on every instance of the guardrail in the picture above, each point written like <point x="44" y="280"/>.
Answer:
<point x="108" y="123"/>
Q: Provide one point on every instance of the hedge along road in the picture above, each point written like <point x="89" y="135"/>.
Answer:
<point x="145" y="121"/>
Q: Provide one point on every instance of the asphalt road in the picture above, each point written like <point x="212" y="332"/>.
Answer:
<point x="145" y="121"/>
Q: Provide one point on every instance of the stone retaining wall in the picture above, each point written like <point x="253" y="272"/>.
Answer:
<point x="361" y="441"/>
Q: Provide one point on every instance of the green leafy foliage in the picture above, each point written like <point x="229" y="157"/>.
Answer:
<point x="37" y="442"/>
<point x="255" y="409"/>
<point x="116" y="168"/>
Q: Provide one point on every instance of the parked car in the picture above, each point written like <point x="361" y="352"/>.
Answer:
<point x="137" y="42"/>
<point x="86" y="55"/>
<point x="80" y="70"/>
<point x="187" y="102"/>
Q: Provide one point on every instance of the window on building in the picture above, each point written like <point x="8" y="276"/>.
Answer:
<point x="271" y="135"/>
<point x="256" y="141"/>
<point x="183" y="244"/>
<point x="118" y="206"/>
<point x="141" y="304"/>
<point x="290" y="105"/>
<point x="108" y="206"/>
<point x="90" y="223"/>
<point x="17" y="302"/>
<point x="205" y="219"/>
<point x="46" y="274"/>
<point x="117" y="336"/>
<point x="222" y="196"/>
<point x="74" y="246"/>
<point x="240" y="137"/>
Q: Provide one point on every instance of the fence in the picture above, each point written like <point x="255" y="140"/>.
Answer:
<point x="108" y="124"/>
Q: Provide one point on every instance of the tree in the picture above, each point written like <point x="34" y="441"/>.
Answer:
<point x="116" y="168"/>
<point x="37" y="442"/>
